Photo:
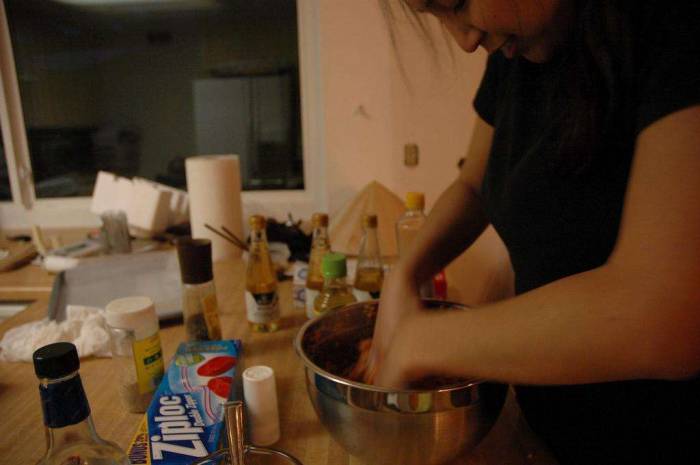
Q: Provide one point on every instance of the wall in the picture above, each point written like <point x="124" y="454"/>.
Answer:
<point x="371" y="110"/>
<point x="373" y="107"/>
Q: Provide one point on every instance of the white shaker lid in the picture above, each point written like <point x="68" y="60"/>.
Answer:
<point x="260" y="391"/>
<point x="130" y="313"/>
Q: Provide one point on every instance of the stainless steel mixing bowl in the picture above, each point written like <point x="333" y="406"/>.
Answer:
<point x="382" y="426"/>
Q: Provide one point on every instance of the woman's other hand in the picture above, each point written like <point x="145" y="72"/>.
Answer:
<point x="399" y="364"/>
<point x="399" y="301"/>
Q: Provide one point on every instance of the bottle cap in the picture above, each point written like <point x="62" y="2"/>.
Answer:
<point x="415" y="201"/>
<point x="260" y="391"/>
<point x="319" y="220"/>
<point x="194" y="256"/>
<point x="56" y="360"/>
<point x="131" y="313"/>
<point x="257" y="222"/>
<point x="369" y="221"/>
<point x="334" y="265"/>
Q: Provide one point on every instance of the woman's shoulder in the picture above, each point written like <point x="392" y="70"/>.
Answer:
<point x="661" y="23"/>
<point x="666" y="48"/>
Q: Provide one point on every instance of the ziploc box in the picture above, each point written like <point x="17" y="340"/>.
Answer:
<point x="185" y="419"/>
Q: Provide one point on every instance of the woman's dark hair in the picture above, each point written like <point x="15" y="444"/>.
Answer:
<point x="596" y="77"/>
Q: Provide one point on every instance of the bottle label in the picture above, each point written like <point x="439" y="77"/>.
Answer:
<point x="64" y="403"/>
<point x="148" y="358"/>
<point x="364" y="296"/>
<point x="211" y="316"/>
<point x="311" y="295"/>
<point x="262" y="308"/>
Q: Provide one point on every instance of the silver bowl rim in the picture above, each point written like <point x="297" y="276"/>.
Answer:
<point x="368" y="387"/>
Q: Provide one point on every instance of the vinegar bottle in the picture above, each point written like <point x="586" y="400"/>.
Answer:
<point x="370" y="274"/>
<point x="320" y="246"/>
<point x="407" y="228"/>
<point x="411" y="221"/>
<point x="336" y="293"/>
<point x="262" y="305"/>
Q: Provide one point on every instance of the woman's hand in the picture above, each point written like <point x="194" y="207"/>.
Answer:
<point x="400" y="300"/>
<point x="401" y="361"/>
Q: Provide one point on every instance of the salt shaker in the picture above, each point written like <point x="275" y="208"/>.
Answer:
<point x="260" y="392"/>
<point x="135" y="340"/>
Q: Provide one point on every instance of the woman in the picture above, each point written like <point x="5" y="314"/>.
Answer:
<point x="586" y="159"/>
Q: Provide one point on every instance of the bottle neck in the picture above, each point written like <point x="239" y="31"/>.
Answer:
<point x="320" y="237"/>
<point x="260" y="275"/>
<point x="258" y="238"/>
<point x="259" y="249"/>
<point x="66" y="411"/>
<point x="83" y="432"/>
<point x="414" y="212"/>
<point x="369" y="247"/>
<point x="334" y="282"/>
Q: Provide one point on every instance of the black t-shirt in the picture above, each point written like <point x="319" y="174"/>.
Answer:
<point x="557" y="222"/>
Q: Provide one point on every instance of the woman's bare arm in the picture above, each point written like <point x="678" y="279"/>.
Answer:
<point x="637" y="316"/>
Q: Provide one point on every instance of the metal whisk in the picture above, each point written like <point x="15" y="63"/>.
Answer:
<point x="237" y="450"/>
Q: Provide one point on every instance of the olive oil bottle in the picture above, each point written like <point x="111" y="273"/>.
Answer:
<point x="320" y="246"/>
<point x="411" y="221"/>
<point x="262" y="304"/>
<point x="336" y="293"/>
<point x="407" y="228"/>
<point x="370" y="274"/>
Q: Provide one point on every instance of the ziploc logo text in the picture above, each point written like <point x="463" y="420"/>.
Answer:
<point x="177" y="428"/>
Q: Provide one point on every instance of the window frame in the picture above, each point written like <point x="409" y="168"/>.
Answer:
<point x="26" y="210"/>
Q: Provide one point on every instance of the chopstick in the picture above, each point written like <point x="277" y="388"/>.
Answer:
<point x="232" y="238"/>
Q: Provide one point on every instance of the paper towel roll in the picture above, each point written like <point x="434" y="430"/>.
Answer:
<point x="214" y="187"/>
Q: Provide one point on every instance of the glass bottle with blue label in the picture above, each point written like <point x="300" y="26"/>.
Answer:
<point x="71" y="437"/>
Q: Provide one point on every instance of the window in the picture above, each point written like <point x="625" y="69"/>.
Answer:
<point x="135" y="87"/>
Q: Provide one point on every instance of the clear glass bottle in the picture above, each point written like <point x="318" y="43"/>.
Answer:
<point x="71" y="437"/>
<point x="407" y="228"/>
<point x="262" y="305"/>
<point x="136" y="352"/>
<point x="411" y="221"/>
<point x="336" y="293"/>
<point x="320" y="246"/>
<point x="199" y="305"/>
<point x="370" y="273"/>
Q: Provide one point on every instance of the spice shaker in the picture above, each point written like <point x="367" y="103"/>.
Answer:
<point x="260" y="392"/>
<point x="199" y="305"/>
<point x="135" y="341"/>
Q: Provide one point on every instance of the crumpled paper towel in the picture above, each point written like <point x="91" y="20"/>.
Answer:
<point x="84" y="326"/>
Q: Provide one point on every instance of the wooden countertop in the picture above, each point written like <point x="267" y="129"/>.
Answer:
<point x="22" y="431"/>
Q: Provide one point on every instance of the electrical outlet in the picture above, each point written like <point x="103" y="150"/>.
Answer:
<point x="410" y="155"/>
